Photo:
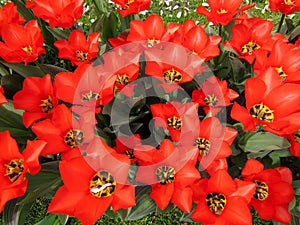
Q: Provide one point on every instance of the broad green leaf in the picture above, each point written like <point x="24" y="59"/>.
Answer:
<point x="52" y="219"/>
<point x="53" y="70"/>
<point x="25" y="12"/>
<point x="276" y="155"/>
<point x="264" y="141"/>
<point x="101" y="6"/>
<point x="295" y="33"/>
<point x="23" y="70"/>
<point x="144" y="204"/>
<point x="44" y="182"/>
<point x="14" y="213"/>
<point x="12" y="83"/>
<point x="110" y="27"/>
<point x="59" y="33"/>
<point x="10" y="119"/>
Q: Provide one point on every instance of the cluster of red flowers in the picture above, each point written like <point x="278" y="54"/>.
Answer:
<point x="95" y="175"/>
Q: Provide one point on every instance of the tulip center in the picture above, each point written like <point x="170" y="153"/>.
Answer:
<point x="152" y="42"/>
<point x="262" y="112"/>
<point x="47" y="105"/>
<point x="102" y="184"/>
<point x="165" y="174"/>
<point x="14" y="169"/>
<point x="127" y="5"/>
<point x="174" y="122"/>
<point x="130" y="154"/>
<point x="250" y="47"/>
<point x="211" y="100"/>
<point x="216" y="202"/>
<point x="289" y="2"/>
<point x="28" y="49"/>
<point x="81" y="56"/>
<point x="281" y="73"/>
<point x="74" y="138"/>
<point x="90" y="96"/>
<point x="222" y="11"/>
<point x="203" y="146"/>
<point x="172" y="75"/>
<point x="122" y="79"/>
<point x="262" y="190"/>
<point x="296" y="135"/>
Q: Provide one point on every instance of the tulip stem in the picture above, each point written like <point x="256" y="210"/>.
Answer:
<point x="281" y="22"/>
<point x="220" y="30"/>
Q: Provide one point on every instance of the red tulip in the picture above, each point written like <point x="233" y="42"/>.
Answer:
<point x="221" y="200"/>
<point x="57" y="13"/>
<point x="14" y="166"/>
<point x="128" y="7"/>
<point x="273" y="190"/>
<point x="285" y="6"/>
<point x="22" y="44"/>
<point x="9" y="14"/>
<point x="222" y="12"/>
<point x="77" y="49"/>
<point x="36" y="98"/>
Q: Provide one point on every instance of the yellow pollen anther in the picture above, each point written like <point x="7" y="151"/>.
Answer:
<point x="165" y="174"/>
<point x="28" y="49"/>
<point x="14" y="169"/>
<point x="122" y="79"/>
<point x="174" y="122"/>
<point x="250" y="47"/>
<point x="222" y="11"/>
<point x="203" y="146"/>
<point x="216" y="202"/>
<point x="81" y="56"/>
<point x="281" y="73"/>
<point x="127" y="5"/>
<point x="262" y="190"/>
<point x="152" y="42"/>
<point x="47" y="105"/>
<point x="172" y="75"/>
<point x="73" y="138"/>
<point x="262" y="112"/>
<point x="289" y="2"/>
<point x="102" y="184"/>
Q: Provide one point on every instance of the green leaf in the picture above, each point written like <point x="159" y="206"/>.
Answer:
<point x="276" y="155"/>
<point x="25" y="12"/>
<point x="144" y="204"/>
<point x="263" y="141"/>
<point x="12" y="83"/>
<point x="52" y="219"/>
<point x="23" y="70"/>
<point x="295" y="34"/>
<point x="53" y="70"/>
<point x="44" y="182"/>
<point x="14" y="213"/>
<point x="110" y="27"/>
<point x="59" y="33"/>
<point x="101" y="6"/>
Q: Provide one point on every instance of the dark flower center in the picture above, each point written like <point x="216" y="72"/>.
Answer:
<point x="165" y="174"/>
<point x="28" y="49"/>
<point x="203" y="146"/>
<point x="152" y="42"/>
<point x="281" y="73"/>
<point x="47" y="105"/>
<point x="14" y="169"/>
<point x="81" y="56"/>
<point x="102" y="184"/>
<point x="250" y="47"/>
<point x="222" y="11"/>
<point x="211" y="100"/>
<point x="73" y="138"/>
<point x="122" y="79"/>
<point x="262" y="190"/>
<point x="90" y="96"/>
<point x="296" y="135"/>
<point x="216" y="202"/>
<point x="172" y="75"/>
<point x="262" y="112"/>
<point x="174" y="122"/>
<point x="130" y="154"/>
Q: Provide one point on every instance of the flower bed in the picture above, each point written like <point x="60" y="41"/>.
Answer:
<point x="107" y="114"/>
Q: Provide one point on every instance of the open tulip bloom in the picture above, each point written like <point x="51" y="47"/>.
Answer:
<point x="127" y="108"/>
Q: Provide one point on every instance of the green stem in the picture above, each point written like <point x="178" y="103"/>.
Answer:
<point x="281" y="22"/>
<point x="220" y="30"/>
<point x="41" y="67"/>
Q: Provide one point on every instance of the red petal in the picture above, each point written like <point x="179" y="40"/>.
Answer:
<point x="255" y="90"/>
<point x="182" y="198"/>
<point x="124" y="197"/>
<point x="252" y="167"/>
<point x="217" y="181"/>
<point x="162" y="194"/>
